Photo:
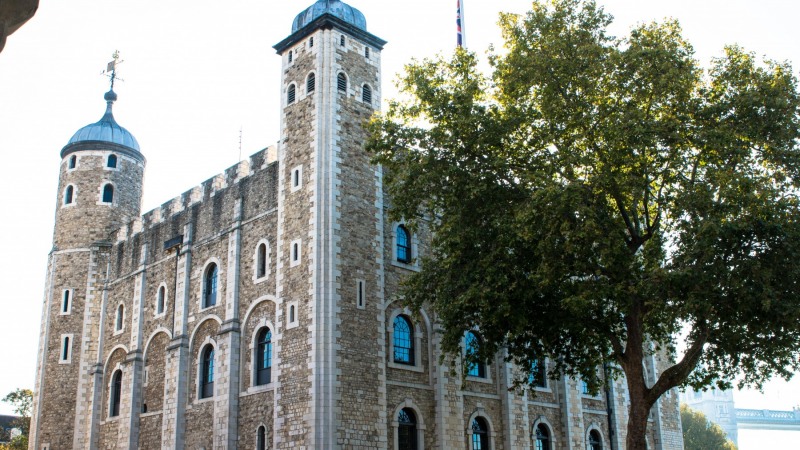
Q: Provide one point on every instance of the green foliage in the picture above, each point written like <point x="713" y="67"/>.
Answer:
<point x="701" y="434"/>
<point x="593" y="195"/>
<point x="22" y="401"/>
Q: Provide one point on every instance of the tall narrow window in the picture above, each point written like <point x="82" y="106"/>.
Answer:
<point x="207" y="372"/>
<point x="311" y="82"/>
<point x="261" y="439"/>
<point x="360" y="294"/>
<point x="542" y="438"/>
<point x="366" y="52"/>
<point x="538" y="376"/>
<point x="311" y="41"/>
<point x="65" y="349"/>
<point x="403" y="340"/>
<point x="210" y="286"/>
<point x="403" y="245"/>
<point x="261" y="260"/>
<point x="264" y="357"/>
<point x="160" y="298"/>
<point x="108" y="193"/>
<point x="366" y="94"/>
<point x="290" y="96"/>
<point x="480" y="434"/>
<point x="119" y="320"/>
<point x="585" y="388"/>
<point x="341" y="40"/>
<point x="472" y="347"/>
<point x="341" y="82"/>
<point x="595" y="442"/>
<point x="112" y="161"/>
<point x="68" y="194"/>
<point x="291" y="314"/>
<point x="406" y="430"/>
<point x="65" y="301"/>
<point x="290" y="56"/>
<point x="72" y="161"/>
<point x="116" y="393"/>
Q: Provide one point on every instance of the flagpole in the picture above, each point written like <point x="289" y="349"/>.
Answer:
<point x="461" y="39"/>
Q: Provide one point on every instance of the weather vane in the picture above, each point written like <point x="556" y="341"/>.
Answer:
<point x="111" y="69"/>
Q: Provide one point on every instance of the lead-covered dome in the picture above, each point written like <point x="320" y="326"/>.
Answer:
<point x="106" y="130"/>
<point x="335" y="8"/>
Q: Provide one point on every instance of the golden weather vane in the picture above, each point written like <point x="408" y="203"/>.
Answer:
<point x="111" y="69"/>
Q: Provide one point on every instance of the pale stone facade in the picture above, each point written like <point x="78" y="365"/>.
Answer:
<point x="300" y="245"/>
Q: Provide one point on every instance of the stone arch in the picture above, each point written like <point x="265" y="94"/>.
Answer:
<point x="542" y="420"/>
<point x="155" y="352"/>
<point x="114" y="361"/>
<point x="202" y="280"/>
<point x="409" y="403"/>
<point x="593" y="426"/>
<point x="261" y="313"/>
<point x="267" y="261"/>
<point x="480" y="412"/>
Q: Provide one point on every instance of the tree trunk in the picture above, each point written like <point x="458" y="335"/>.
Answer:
<point x="637" y="425"/>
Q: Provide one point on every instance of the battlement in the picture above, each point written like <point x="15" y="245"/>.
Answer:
<point x="207" y="189"/>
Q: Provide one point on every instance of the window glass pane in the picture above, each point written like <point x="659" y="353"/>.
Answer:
<point x="403" y="341"/>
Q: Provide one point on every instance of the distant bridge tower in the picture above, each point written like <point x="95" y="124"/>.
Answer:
<point x="718" y="407"/>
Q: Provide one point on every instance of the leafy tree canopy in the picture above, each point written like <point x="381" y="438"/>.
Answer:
<point x="22" y="401"/>
<point x="594" y="195"/>
<point x="701" y="434"/>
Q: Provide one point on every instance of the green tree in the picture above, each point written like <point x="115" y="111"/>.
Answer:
<point x="595" y="195"/>
<point x="22" y="401"/>
<point x="701" y="434"/>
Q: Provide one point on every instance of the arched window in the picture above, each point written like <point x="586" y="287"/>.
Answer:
<point x="207" y="372"/>
<point x="407" y="430"/>
<point x="160" y="298"/>
<point x="108" y="193"/>
<point x="311" y="82"/>
<point x="595" y="442"/>
<point x="472" y="345"/>
<point x="341" y="40"/>
<point x="116" y="394"/>
<point x="403" y="245"/>
<point x="261" y="260"/>
<point x="72" y="161"/>
<point x="210" y="286"/>
<point x="264" y="357"/>
<point x="480" y="434"/>
<point x="291" y="313"/>
<point x="112" y="161"/>
<point x="290" y="96"/>
<point x="366" y="52"/>
<point x="341" y="82"/>
<point x="542" y="438"/>
<point x="119" y="320"/>
<point x="68" y="194"/>
<point x="403" y="340"/>
<point x="261" y="440"/>
<point x="366" y="94"/>
<point x="65" y="349"/>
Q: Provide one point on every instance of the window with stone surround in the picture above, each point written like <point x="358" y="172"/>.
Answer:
<point x="291" y="94"/>
<point x="261" y="260"/>
<point x="111" y="162"/>
<point x="406" y="429"/>
<point x="311" y="42"/>
<point x="472" y="344"/>
<point x="69" y="195"/>
<point x="366" y="94"/>
<point x="108" y="193"/>
<point x="366" y="52"/>
<point x="341" y="82"/>
<point x="65" y="355"/>
<point x="161" y="300"/>
<point x="290" y="56"/>
<point x="403" y="242"/>
<point x="538" y="375"/>
<point x="263" y="357"/>
<point x="261" y="438"/>
<point x="361" y="295"/>
<point x="207" y="372"/>
<point x="73" y="160"/>
<point x="542" y="438"/>
<point x="115" y="394"/>
<point x="66" y="302"/>
<point x="311" y="83"/>
<point x="595" y="441"/>
<point x="480" y="434"/>
<point x="297" y="178"/>
<point x="210" y="286"/>
<point x="296" y="250"/>
<point x="341" y="40"/>
<point x="119" y="319"/>
<point x="403" y="340"/>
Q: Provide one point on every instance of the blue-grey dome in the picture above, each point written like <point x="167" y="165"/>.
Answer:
<point x="333" y="7"/>
<point x="106" y="130"/>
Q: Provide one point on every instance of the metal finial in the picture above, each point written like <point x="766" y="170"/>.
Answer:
<point x="111" y="69"/>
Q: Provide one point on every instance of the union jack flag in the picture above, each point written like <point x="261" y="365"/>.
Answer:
<point x="459" y="24"/>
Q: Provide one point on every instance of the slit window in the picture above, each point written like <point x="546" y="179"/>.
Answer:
<point x="66" y="300"/>
<point x="341" y="82"/>
<point x="311" y="41"/>
<point x="112" y="161"/>
<point x="72" y="161"/>
<point x="261" y="261"/>
<point x="108" y="193"/>
<point x="295" y="253"/>
<point x="119" y="320"/>
<point x="366" y="52"/>
<point x="65" y="348"/>
<point x="341" y="40"/>
<point x="292" y="314"/>
<point x="290" y="56"/>
<point x="360" y="294"/>
<point x="162" y="293"/>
